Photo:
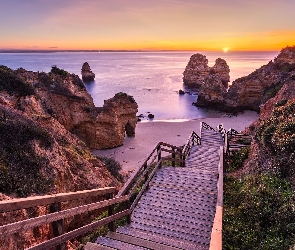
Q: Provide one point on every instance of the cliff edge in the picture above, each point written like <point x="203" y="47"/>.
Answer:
<point x="252" y="91"/>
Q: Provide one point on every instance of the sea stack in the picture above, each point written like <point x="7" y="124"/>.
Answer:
<point x="197" y="71"/>
<point x="249" y="92"/>
<point x="87" y="74"/>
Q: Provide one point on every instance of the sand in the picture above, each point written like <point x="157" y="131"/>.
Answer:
<point x="135" y="150"/>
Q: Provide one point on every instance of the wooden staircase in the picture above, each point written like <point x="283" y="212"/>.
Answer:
<point x="177" y="210"/>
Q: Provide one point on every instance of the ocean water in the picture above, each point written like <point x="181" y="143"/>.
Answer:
<point x="152" y="78"/>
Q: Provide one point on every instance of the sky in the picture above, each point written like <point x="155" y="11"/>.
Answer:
<point x="235" y="25"/>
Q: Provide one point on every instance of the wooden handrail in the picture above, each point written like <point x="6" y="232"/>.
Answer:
<point x="80" y="231"/>
<point x="57" y="216"/>
<point x="216" y="234"/>
<point x="204" y="125"/>
<point x="22" y="203"/>
<point x="194" y="139"/>
<point x="144" y="187"/>
<point x="45" y="219"/>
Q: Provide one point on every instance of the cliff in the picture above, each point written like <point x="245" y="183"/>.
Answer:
<point x="252" y="91"/>
<point x="63" y="96"/>
<point x="259" y="190"/>
<point x="47" y="123"/>
<point x="197" y="71"/>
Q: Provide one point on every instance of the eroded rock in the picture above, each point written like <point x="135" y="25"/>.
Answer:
<point x="252" y="91"/>
<point x="87" y="74"/>
<point x="197" y="71"/>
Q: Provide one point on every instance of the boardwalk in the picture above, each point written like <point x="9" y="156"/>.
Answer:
<point x="178" y="209"/>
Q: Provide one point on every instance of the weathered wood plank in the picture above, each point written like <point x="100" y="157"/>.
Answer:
<point x="77" y="232"/>
<point x="16" y="204"/>
<point x="116" y="244"/>
<point x="140" y="242"/>
<point x="94" y="246"/>
<point x="176" y="233"/>
<point x="38" y="221"/>
<point x="163" y="239"/>
<point x="193" y="215"/>
<point x="205" y="209"/>
<point x="173" y="221"/>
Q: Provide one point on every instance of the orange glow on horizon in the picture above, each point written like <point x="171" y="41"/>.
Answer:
<point x="274" y="41"/>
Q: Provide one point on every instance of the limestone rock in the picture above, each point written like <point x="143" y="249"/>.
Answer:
<point x="197" y="70"/>
<point x="39" y="152"/>
<point x="66" y="99"/>
<point x="116" y="118"/>
<point x="221" y="69"/>
<point x="87" y="74"/>
<point x="252" y="91"/>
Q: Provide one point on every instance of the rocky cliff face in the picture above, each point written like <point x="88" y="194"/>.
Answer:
<point x="64" y="97"/>
<point x="40" y="154"/>
<point x="197" y="71"/>
<point x="252" y="91"/>
<point x="87" y="74"/>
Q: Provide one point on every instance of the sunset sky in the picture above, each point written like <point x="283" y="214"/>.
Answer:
<point x="147" y="24"/>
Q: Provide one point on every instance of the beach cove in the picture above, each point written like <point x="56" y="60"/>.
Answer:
<point x="135" y="149"/>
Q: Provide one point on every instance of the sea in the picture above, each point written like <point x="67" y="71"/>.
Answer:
<point x="152" y="78"/>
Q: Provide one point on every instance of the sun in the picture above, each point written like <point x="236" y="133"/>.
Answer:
<point x="226" y="49"/>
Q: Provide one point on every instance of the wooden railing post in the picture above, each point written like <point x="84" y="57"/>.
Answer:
<point x="57" y="226"/>
<point x="111" y="225"/>
<point x="129" y="215"/>
<point x="173" y="158"/>
<point x="159" y="155"/>
<point x="146" y="175"/>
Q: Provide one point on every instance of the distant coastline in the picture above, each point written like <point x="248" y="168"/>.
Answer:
<point x="67" y="50"/>
<point x="54" y="51"/>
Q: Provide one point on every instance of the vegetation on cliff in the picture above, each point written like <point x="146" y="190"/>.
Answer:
<point x="20" y="165"/>
<point x="13" y="84"/>
<point x="259" y="208"/>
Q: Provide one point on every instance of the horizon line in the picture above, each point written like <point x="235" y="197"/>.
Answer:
<point x="124" y="50"/>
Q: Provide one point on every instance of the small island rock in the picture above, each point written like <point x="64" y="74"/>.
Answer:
<point x="197" y="71"/>
<point x="87" y="74"/>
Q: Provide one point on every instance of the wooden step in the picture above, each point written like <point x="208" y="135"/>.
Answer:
<point x="156" y="192"/>
<point x="202" y="211"/>
<point x="161" y="238"/>
<point x="178" y="206"/>
<point x="95" y="246"/>
<point x="197" y="225"/>
<point x="202" y="216"/>
<point x="186" y="172"/>
<point x="140" y="241"/>
<point x="205" y="190"/>
<point x="117" y="244"/>
<point x="176" y="233"/>
<point x="194" y="182"/>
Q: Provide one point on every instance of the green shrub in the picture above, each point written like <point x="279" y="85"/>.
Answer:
<point x="235" y="161"/>
<point x="58" y="71"/>
<point x="121" y="94"/>
<point x="258" y="213"/>
<point x="13" y="84"/>
<point x="113" y="167"/>
<point x="281" y="103"/>
<point x="20" y="165"/>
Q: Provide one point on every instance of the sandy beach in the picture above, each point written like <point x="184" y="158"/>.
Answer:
<point x="148" y="134"/>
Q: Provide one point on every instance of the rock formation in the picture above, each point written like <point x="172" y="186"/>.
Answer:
<point x="252" y="91"/>
<point x="40" y="154"/>
<point x="65" y="98"/>
<point x="116" y="118"/>
<point x="197" y="71"/>
<point x="87" y="74"/>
